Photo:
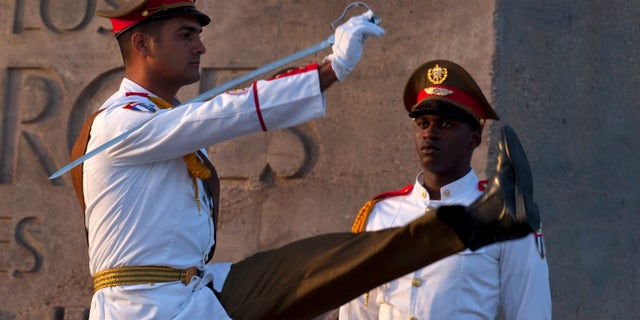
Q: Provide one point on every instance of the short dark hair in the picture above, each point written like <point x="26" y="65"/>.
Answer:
<point x="151" y="27"/>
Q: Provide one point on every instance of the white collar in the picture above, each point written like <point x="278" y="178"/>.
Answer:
<point x="452" y="192"/>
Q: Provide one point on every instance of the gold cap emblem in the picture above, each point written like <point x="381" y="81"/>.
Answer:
<point x="437" y="74"/>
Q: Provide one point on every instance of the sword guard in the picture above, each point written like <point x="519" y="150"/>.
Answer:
<point x="373" y="19"/>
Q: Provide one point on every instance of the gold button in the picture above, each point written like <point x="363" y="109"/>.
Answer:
<point x="447" y="193"/>
<point x="413" y="318"/>
<point x="424" y="194"/>
<point x="416" y="282"/>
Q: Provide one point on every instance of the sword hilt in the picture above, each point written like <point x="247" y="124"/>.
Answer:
<point x="373" y="19"/>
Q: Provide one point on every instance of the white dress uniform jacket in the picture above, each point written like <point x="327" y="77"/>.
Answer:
<point x="510" y="275"/>
<point x="141" y="208"/>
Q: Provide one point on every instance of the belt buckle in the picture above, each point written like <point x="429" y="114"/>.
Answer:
<point x="189" y="273"/>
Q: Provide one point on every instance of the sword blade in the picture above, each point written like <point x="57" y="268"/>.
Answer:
<point x="203" y="97"/>
<point x="262" y="70"/>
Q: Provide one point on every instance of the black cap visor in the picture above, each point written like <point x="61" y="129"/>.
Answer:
<point x="443" y="108"/>
<point x="187" y="10"/>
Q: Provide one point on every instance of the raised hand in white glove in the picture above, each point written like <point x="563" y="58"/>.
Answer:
<point x="349" y="42"/>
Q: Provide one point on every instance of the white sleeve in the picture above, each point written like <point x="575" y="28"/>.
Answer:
<point x="359" y="309"/>
<point x="266" y="105"/>
<point x="524" y="280"/>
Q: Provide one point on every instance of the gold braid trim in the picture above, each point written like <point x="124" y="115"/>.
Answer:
<point x="141" y="275"/>
<point x="165" y="7"/>
<point x="358" y="226"/>
<point x="194" y="165"/>
<point x="363" y="215"/>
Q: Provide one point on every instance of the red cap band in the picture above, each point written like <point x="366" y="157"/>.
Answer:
<point x="143" y="13"/>
<point x="453" y="94"/>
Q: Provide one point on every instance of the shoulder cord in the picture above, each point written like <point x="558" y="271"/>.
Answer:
<point x="359" y="225"/>
<point x="363" y="215"/>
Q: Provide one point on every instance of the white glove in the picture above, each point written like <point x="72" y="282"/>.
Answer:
<point x="349" y="43"/>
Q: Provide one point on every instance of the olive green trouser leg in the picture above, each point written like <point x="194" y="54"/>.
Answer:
<point x="311" y="276"/>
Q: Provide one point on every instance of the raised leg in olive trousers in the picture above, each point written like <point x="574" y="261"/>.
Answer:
<point x="309" y="277"/>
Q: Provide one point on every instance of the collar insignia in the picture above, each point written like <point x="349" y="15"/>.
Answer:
<point x="539" y="242"/>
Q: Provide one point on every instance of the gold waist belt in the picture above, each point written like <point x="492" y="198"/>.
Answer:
<point x="141" y="275"/>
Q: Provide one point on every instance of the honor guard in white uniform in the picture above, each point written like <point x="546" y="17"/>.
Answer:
<point x="150" y="201"/>
<point x="449" y="111"/>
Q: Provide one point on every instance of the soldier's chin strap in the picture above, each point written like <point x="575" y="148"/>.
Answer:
<point x="222" y="88"/>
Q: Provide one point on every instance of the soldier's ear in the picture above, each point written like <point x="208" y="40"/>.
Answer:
<point x="140" y="43"/>
<point x="476" y="137"/>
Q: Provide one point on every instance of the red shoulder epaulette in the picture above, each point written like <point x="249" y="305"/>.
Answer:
<point x="404" y="191"/>
<point x="482" y="185"/>
<point x="363" y="214"/>
<point x="141" y="94"/>
<point x="294" y="71"/>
